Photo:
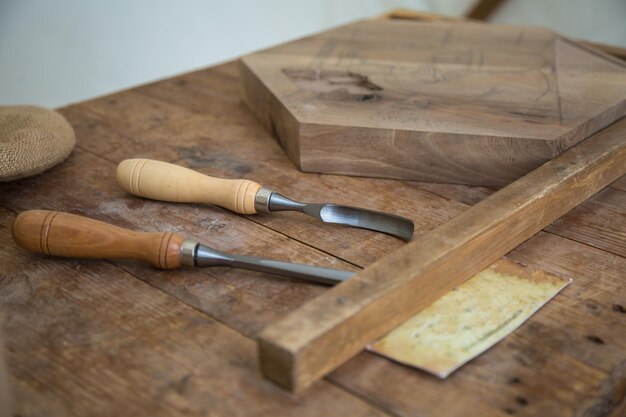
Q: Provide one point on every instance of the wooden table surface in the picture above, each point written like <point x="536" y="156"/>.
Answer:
<point x="86" y="337"/>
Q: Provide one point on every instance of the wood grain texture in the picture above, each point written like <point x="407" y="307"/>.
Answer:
<point x="214" y="119"/>
<point x="244" y="300"/>
<point x="318" y="337"/>
<point x="6" y="394"/>
<point x="197" y="141"/>
<point x="598" y="222"/>
<point x="251" y="304"/>
<point x="460" y="102"/>
<point x="620" y="184"/>
<point x="568" y="360"/>
<point x="63" y="234"/>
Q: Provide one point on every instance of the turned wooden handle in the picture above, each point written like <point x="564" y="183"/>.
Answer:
<point x="64" y="234"/>
<point x="168" y="182"/>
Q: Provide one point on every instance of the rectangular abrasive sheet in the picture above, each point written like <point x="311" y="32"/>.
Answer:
<point x="470" y="319"/>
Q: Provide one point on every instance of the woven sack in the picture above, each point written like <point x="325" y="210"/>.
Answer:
<point x="32" y="139"/>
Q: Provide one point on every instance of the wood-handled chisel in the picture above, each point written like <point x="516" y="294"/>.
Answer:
<point x="69" y="235"/>
<point x="168" y="182"/>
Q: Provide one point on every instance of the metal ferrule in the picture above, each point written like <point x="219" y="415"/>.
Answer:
<point x="262" y="200"/>
<point x="279" y="202"/>
<point x="188" y="252"/>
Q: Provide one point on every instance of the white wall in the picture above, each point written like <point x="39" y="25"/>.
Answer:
<point x="602" y="21"/>
<point x="56" y="52"/>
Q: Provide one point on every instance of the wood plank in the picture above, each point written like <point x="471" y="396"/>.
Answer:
<point x="362" y="100"/>
<point x="212" y="140"/>
<point x="208" y="120"/>
<point x="420" y="206"/>
<point x="85" y="338"/>
<point x="177" y="95"/>
<point x="251" y="305"/>
<point x="599" y="221"/>
<point x="187" y="287"/>
<point x="244" y="300"/>
<point x="620" y="184"/>
<point x="466" y="194"/>
<point x="350" y="315"/>
<point x="445" y="211"/>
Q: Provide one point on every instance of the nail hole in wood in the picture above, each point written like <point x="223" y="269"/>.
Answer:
<point x="521" y="400"/>
<point x="595" y="339"/>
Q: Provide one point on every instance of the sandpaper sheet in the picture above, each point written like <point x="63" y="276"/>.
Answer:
<point x="470" y="319"/>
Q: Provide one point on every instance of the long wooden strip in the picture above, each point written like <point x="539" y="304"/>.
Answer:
<point x="324" y="333"/>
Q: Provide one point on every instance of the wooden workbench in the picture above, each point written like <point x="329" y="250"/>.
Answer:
<point x="117" y="338"/>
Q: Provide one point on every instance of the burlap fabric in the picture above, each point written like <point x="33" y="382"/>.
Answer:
<point x="32" y="139"/>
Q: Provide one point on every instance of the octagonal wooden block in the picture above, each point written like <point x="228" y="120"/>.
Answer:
<point x="466" y="103"/>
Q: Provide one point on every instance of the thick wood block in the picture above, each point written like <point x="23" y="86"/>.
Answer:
<point x="324" y="333"/>
<point x="446" y="102"/>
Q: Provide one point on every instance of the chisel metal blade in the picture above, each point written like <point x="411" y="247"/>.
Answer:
<point x="196" y="254"/>
<point x="350" y="216"/>
<point x="362" y="218"/>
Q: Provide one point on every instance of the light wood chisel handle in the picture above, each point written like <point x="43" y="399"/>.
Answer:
<point x="168" y="182"/>
<point x="69" y="235"/>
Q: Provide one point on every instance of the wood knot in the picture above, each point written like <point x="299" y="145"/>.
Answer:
<point x="595" y="339"/>
<point x="521" y="400"/>
<point x="619" y="308"/>
<point x="342" y="300"/>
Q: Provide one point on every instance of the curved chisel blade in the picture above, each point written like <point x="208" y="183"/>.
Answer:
<point x="362" y="218"/>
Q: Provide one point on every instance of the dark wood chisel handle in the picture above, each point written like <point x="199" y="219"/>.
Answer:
<point x="69" y="235"/>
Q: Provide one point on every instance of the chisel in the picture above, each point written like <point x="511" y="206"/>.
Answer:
<point x="69" y="235"/>
<point x="168" y="182"/>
